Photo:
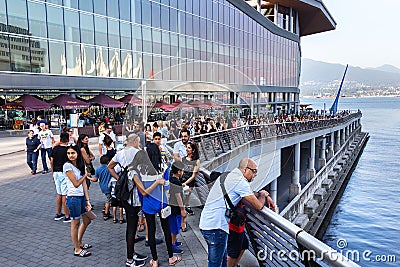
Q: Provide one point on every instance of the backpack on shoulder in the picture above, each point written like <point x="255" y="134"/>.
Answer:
<point x="121" y="191"/>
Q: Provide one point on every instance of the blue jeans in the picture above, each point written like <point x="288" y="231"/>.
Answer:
<point x="31" y="160"/>
<point x="43" y="152"/>
<point x="217" y="241"/>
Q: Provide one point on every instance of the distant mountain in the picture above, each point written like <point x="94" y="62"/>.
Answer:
<point x="318" y="71"/>
<point x="387" y="68"/>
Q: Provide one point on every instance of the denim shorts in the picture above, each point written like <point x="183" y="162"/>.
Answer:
<point x="61" y="183"/>
<point x="175" y="223"/>
<point x="236" y="243"/>
<point x="76" y="206"/>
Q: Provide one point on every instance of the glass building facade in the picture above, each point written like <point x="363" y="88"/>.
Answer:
<point x="209" y="41"/>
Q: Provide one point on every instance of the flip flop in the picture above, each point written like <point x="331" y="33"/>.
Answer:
<point x="178" y="259"/>
<point x="83" y="253"/>
<point x="86" y="246"/>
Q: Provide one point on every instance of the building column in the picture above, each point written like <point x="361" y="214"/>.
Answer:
<point x="337" y="144"/>
<point x="258" y="95"/>
<point x="252" y="104"/>
<point x="331" y="151"/>
<point x="322" y="159"/>
<point x="274" y="191"/>
<point x="342" y="136"/>
<point x="311" y="161"/>
<point x="295" y="186"/>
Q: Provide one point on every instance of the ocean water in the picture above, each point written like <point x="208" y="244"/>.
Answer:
<point x="366" y="222"/>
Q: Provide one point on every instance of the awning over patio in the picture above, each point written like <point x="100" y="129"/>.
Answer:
<point x="132" y="100"/>
<point x="106" y="101"/>
<point x="27" y="102"/>
<point x="68" y="102"/>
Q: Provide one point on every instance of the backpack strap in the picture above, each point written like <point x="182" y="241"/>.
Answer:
<point x="221" y="183"/>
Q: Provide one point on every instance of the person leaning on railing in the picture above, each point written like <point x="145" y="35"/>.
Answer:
<point x="213" y="222"/>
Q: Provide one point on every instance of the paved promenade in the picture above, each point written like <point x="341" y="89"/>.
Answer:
<point x="30" y="236"/>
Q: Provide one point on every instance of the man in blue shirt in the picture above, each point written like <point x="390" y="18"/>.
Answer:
<point x="213" y="222"/>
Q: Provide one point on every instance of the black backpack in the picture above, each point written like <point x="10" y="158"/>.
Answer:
<point x="121" y="191"/>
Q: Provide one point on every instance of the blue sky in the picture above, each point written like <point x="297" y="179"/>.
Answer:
<point x="366" y="34"/>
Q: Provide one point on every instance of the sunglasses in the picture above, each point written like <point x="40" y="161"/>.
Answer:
<point x="253" y="170"/>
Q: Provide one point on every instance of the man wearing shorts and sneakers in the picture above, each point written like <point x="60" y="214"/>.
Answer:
<point x="57" y="159"/>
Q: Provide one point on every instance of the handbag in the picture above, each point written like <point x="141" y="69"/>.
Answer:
<point x="236" y="215"/>
<point x="165" y="212"/>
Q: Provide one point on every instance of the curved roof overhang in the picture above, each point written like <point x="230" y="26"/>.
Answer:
<point x="314" y="17"/>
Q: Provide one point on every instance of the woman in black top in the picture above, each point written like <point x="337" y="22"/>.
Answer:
<point x="192" y="165"/>
<point x="32" y="151"/>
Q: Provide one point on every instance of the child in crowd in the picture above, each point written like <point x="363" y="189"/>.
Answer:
<point x="176" y="202"/>
<point x="112" y="184"/>
<point x="104" y="177"/>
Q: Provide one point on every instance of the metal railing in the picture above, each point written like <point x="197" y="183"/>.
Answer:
<point x="277" y="242"/>
<point x="212" y="145"/>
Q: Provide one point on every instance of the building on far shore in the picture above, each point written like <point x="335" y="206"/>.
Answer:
<point x="245" y="53"/>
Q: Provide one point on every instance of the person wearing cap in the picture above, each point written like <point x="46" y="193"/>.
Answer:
<point x="176" y="202"/>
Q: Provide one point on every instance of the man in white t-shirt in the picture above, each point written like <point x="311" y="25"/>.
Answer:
<point x="180" y="147"/>
<point x="47" y="140"/>
<point x="108" y="131"/>
<point x="213" y="222"/>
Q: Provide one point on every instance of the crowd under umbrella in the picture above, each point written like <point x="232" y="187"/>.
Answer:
<point x="68" y="102"/>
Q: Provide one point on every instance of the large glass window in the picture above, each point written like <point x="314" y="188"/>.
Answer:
<point x="20" y="54"/>
<point x="156" y="40"/>
<point x="87" y="28"/>
<point x="4" y="51"/>
<point x="102" y="62"/>
<point x="165" y="18"/>
<point x="86" y="6"/>
<point x="136" y="38"/>
<point x="37" y="19"/>
<point x="58" y="64"/>
<point x="74" y="60"/>
<point x="113" y="33"/>
<point x="17" y="16"/>
<point x="115" y="63"/>
<point x="147" y="44"/>
<point x="125" y="9"/>
<point x="155" y="15"/>
<point x="55" y="23"/>
<point x="88" y="60"/>
<point x="125" y="29"/>
<point x="136" y="12"/>
<point x="113" y="9"/>
<point x="126" y="61"/>
<point x="71" y="26"/>
<point x="100" y="7"/>
<point x="39" y="56"/>
<point x="100" y="25"/>
<point x="3" y="15"/>
<point x="58" y="2"/>
<point x="146" y="9"/>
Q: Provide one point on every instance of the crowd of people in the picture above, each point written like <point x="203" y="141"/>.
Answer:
<point x="156" y="180"/>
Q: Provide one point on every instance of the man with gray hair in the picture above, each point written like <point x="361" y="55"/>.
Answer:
<point x="213" y="222"/>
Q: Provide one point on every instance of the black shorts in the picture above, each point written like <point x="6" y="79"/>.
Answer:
<point x="236" y="243"/>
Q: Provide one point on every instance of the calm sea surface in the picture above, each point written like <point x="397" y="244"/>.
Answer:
<point x="367" y="219"/>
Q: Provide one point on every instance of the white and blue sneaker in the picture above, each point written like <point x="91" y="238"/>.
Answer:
<point x="59" y="217"/>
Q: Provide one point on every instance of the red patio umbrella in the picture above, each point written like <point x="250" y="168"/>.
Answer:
<point x="212" y="104"/>
<point x="132" y="100"/>
<point x="195" y="103"/>
<point x="176" y="103"/>
<point x="183" y="106"/>
<point x="68" y="102"/>
<point x="106" y="101"/>
<point x="27" y="102"/>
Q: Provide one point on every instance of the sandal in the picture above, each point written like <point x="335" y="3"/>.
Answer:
<point x="115" y="220"/>
<point x="140" y="227"/>
<point x="83" y="253"/>
<point x="178" y="259"/>
<point x="184" y="229"/>
<point x="86" y="246"/>
<point x="122" y="221"/>
<point x="153" y="263"/>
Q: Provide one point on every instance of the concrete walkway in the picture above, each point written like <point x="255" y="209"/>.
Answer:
<point x="30" y="236"/>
